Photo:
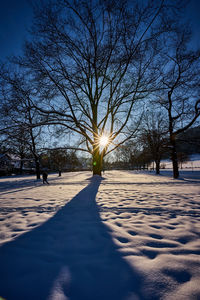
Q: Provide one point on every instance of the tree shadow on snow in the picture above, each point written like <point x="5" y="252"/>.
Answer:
<point x="71" y="256"/>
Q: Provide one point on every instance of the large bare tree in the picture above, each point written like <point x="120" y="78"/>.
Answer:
<point x="91" y="62"/>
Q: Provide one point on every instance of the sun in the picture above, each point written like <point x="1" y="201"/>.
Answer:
<point x="103" y="140"/>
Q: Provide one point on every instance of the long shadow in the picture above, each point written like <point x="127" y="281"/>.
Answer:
<point x="71" y="256"/>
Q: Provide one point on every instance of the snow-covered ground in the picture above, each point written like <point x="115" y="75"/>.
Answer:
<point x="126" y="236"/>
<point x="192" y="163"/>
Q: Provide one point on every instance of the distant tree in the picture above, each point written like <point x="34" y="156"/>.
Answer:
<point x="45" y="161"/>
<point x="92" y="61"/>
<point x="125" y="152"/>
<point x="54" y="159"/>
<point x="132" y="154"/>
<point x="60" y="159"/>
<point x="182" y="157"/>
<point x="73" y="159"/>
<point x="17" y="144"/>
<point x="180" y="83"/>
<point x="20" y="128"/>
<point x="154" y="136"/>
<point x="139" y="160"/>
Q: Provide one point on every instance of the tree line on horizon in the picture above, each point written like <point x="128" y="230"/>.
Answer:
<point x="120" y="69"/>
<point x="146" y="152"/>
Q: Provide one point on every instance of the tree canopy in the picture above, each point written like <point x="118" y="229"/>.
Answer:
<point x="90" y="65"/>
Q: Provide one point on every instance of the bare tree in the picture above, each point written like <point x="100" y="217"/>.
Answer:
<point x="154" y="136"/>
<point x="16" y="141"/>
<point x="91" y="62"/>
<point x="181" y="87"/>
<point x="20" y="127"/>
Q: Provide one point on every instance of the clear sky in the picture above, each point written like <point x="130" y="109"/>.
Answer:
<point x="194" y="16"/>
<point x="16" y="18"/>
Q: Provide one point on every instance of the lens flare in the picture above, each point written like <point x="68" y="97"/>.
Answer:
<point x="103" y="140"/>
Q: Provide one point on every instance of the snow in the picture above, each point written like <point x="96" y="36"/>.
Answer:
<point x="193" y="162"/>
<point x="127" y="235"/>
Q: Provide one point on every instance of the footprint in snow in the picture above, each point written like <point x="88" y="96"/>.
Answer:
<point x="150" y="253"/>
<point x="156" y="236"/>
<point x="155" y="226"/>
<point x="179" y="275"/>
<point x="123" y="240"/>
<point x="131" y="232"/>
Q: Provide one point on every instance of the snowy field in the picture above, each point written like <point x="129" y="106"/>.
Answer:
<point x="193" y="163"/>
<point x="126" y="236"/>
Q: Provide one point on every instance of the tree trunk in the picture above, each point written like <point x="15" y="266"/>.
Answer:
<point x="21" y="167"/>
<point x="37" y="166"/>
<point x="157" y="166"/>
<point x="174" y="158"/>
<point x="97" y="162"/>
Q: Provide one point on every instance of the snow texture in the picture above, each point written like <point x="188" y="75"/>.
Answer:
<point x="124" y="236"/>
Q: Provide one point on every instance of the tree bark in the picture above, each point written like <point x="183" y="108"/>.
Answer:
<point x="157" y="166"/>
<point x="174" y="157"/>
<point x="97" y="162"/>
<point x="21" y="167"/>
<point x="37" y="166"/>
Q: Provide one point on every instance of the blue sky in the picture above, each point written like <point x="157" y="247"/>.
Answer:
<point x="194" y="16"/>
<point x="16" y="17"/>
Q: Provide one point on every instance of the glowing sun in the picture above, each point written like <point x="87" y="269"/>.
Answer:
<point x="103" y="140"/>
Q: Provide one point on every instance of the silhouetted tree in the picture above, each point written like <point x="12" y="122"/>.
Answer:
<point x="180" y="82"/>
<point x="154" y="136"/>
<point x="20" y="128"/>
<point x="17" y="144"/>
<point x="91" y="61"/>
<point x="182" y="157"/>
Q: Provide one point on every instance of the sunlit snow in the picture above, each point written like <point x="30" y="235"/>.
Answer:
<point x="126" y="236"/>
